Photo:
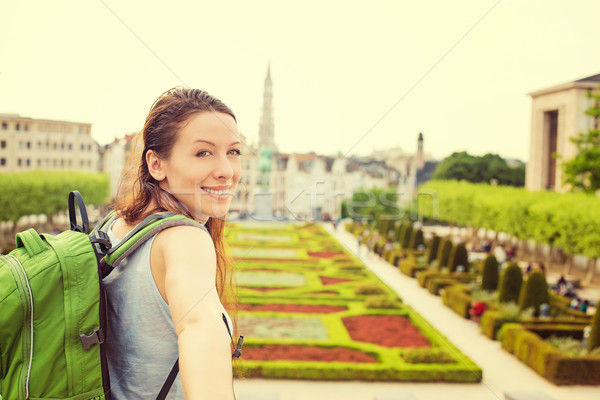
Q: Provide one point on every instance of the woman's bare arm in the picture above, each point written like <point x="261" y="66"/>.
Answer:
<point x="189" y="261"/>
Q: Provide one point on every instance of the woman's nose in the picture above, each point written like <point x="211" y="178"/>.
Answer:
<point x="223" y="168"/>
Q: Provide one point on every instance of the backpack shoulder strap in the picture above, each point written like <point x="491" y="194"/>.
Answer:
<point x="149" y="227"/>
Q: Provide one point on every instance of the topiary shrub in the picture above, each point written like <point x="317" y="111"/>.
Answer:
<point x="510" y="283"/>
<point x="368" y="288"/>
<point x="427" y="356"/>
<point x="594" y="339"/>
<point x="443" y="253"/>
<point x="432" y="252"/>
<point x="490" y="274"/>
<point x="458" y="256"/>
<point x="382" y="301"/>
<point x="416" y="239"/>
<point x="406" y="238"/>
<point x="402" y="231"/>
<point x="534" y="292"/>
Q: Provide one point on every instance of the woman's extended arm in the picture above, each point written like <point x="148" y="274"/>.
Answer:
<point x="189" y="260"/>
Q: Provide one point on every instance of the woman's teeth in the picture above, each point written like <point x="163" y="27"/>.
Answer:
<point x="218" y="192"/>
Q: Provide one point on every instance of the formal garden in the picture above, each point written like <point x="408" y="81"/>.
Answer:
<point x="515" y="306"/>
<point x="310" y="310"/>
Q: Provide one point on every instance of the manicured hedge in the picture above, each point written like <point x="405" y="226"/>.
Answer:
<point x="547" y="360"/>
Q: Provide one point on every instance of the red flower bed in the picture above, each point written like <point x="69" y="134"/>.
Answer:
<point x="327" y="280"/>
<point x="298" y="308"/>
<point x="306" y="353"/>
<point x="385" y="330"/>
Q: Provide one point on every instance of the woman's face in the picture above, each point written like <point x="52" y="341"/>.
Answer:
<point x="204" y="167"/>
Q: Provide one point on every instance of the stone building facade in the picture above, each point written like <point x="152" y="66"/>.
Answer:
<point x="557" y="114"/>
<point x="27" y="144"/>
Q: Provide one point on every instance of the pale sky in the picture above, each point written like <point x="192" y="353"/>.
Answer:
<point x="348" y="76"/>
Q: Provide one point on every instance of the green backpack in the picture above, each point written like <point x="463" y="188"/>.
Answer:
<point x="52" y="310"/>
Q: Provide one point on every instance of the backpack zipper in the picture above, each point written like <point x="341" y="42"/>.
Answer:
<point x="25" y="289"/>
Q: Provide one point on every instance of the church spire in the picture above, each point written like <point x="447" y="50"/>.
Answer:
<point x="266" y="131"/>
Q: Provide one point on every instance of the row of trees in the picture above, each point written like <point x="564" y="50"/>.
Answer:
<point x="485" y="169"/>
<point x="570" y="221"/>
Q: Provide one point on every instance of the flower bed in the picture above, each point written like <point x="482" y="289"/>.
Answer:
<point x="310" y="310"/>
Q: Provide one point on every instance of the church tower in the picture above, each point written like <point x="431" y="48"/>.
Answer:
<point x="266" y="131"/>
<point x="420" y="158"/>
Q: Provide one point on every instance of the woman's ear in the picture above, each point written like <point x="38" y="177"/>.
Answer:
<point x="155" y="166"/>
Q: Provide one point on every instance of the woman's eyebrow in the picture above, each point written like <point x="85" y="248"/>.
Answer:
<point x="213" y="144"/>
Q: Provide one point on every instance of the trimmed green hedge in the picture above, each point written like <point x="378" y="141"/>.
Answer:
<point x="569" y="221"/>
<point x="547" y="360"/>
<point x="46" y="192"/>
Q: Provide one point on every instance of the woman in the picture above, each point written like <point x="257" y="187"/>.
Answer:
<point x="166" y="301"/>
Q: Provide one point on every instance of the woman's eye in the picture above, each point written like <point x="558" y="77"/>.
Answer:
<point x="203" y="153"/>
<point x="235" y="152"/>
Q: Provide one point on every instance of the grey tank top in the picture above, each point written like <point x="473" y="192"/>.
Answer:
<point x="141" y="344"/>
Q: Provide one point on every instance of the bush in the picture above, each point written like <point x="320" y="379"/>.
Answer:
<point x="594" y="339"/>
<point x="444" y="253"/>
<point x="382" y="301"/>
<point x="490" y="274"/>
<point x="534" y="293"/>
<point x="432" y="252"/>
<point x="458" y="299"/>
<point x="416" y="239"/>
<point x="427" y="356"/>
<point x="458" y="256"/>
<point x="510" y="284"/>
<point x="368" y="288"/>
<point x="405" y="243"/>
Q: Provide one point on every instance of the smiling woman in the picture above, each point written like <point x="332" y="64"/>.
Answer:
<point x="165" y="300"/>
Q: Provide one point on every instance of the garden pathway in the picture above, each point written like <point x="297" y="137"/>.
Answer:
<point x="502" y="372"/>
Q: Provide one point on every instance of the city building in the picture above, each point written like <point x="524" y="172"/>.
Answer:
<point x="557" y="115"/>
<point x="27" y="144"/>
<point x="312" y="186"/>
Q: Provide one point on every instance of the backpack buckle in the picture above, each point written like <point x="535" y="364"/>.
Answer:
<point x="96" y="337"/>
<point x="238" y="349"/>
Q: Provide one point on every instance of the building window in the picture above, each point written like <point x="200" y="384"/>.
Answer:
<point x="54" y="163"/>
<point x="82" y="147"/>
<point x="17" y="127"/>
<point x="29" y="145"/>
<point x="4" y="126"/>
<point x="62" y="146"/>
<point x="39" y="162"/>
<point x="69" y="163"/>
<point x="54" y="145"/>
<point x="39" y="145"/>
<point x="19" y="145"/>
<point x="28" y="162"/>
<point x="89" y="147"/>
<point x="62" y="163"/>
<point x="2" y="162"/>
<point x="19" y="162"/>
<point x="81" y="163"/>
<point x="70" y="146"/>
<point x="26" y="127"/>
<point x="3" y="144"/>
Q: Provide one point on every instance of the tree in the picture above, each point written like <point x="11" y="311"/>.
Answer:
<point x="583" y="171"/>
<point x="463" y="166"/>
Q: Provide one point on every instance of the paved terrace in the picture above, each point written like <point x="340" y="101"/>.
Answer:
<point x="504" y="376"/>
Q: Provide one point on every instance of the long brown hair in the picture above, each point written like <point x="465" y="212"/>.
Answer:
<point x="140" y="195"/>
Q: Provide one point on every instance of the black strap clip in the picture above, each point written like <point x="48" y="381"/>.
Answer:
<point x="238" y="348"/>
<point x="96" y="337"/>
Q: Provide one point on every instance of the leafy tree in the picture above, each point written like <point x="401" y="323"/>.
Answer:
<point x="583" y="171"/>
<point x="463" y="166"/>
<point x="372" y="204"/>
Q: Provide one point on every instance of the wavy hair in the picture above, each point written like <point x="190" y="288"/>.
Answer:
<point x="140" y="195"/>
